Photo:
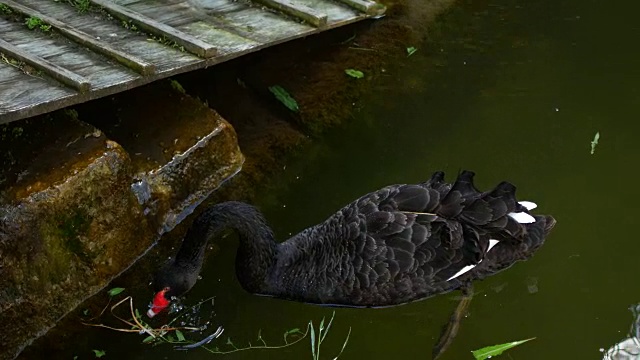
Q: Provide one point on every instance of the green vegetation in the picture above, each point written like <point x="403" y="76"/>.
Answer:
<point x="70" y="229"/>
<point x="115" y="291"/>
<point x="174" y="335"/>
<point x="283" y="96"/>
<point x="495" y="350"/>
<point x="165" y="41"/>
<point x="594" y="142"/>
<point x="357" y="74"/>
<point x="177" y="86"/>
<point x="411" y="50"/>
<point x="129" y="25"/>
<point x="316" y="343"/>
<point x="81" y="5"/>
<point x="33" y="22"/>
<point x="99" y="353"/>
<point x="29" y="70"/>
<point x="71" y="113"/>
<point x="5" y="9"/>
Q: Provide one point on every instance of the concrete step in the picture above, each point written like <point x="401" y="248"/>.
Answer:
<point x="79" y="203"/>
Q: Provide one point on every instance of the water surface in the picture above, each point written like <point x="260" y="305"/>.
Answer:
<point x="513" y="90"/>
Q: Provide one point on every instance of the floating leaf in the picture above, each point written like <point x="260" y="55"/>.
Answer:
<point x="283" y="96"/>
<point x="594" y="142"/>
<point x="115" y="291"/>
<point x="148" y="339"/>
<point x="99" y="353"/>
<point x="411" y="50"/>
<point x="177" y="86"/>
<point x="291" y="332"/>
<point x="180" y="335"/>
<point x="354" y="73"/>
<point x="490" y="351"/>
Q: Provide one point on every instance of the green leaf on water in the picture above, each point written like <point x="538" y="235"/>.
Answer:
<point x="283" y="96"/>
<point x="294" y="331"/>
<point x="115" y="291"/>
<point x="491" y="351"/>
<point x="148" y="339"/>
<point x="180" y="335"/>
<point x="594" y="142"/>
<point x="357" y="74"/>
<point x="411" y="50"/>
<point x="291" y="332"/>
<point x="99" y="353"/>
<point x="177" y="86"/>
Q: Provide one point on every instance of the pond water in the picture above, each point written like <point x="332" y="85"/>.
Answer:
<point x="514" y="90"/>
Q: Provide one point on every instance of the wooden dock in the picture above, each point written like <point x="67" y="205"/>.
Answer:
<point x="57" y="53"/>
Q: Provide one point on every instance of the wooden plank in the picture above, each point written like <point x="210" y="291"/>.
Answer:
<point x="100" y="71"/>
<point x="98" y="46"/>
<point x="190" y="43"/>
<point x="61" y="74"/>
<point x="99" y="26"/>
<point x="298" y="11"/>
<point x="228" y="43"/>
<point x="234" y="27"/>
<point x="24" y="94"/>
<point x="184" y="19"/>
<point x="337" y="12"/>
<point x="267" y="24"/>
<point x="370" y="8"/>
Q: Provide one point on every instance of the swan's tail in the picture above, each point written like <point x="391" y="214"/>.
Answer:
<point x="498" y="229"/>
<point x="496" y="211"/>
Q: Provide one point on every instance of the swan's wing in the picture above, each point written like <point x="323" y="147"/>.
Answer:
<point x="404" y="243"/>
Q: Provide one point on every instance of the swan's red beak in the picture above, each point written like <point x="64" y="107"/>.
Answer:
<point x="159" y="303"/>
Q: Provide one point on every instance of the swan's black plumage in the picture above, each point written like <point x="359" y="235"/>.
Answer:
<point x="395" y="245"/>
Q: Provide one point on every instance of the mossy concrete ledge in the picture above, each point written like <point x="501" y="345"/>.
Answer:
<point x="78" y="206"/>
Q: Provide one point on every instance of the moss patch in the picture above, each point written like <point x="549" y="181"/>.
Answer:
<point x="69" y="230"/>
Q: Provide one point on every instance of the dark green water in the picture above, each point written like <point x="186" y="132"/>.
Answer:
<point x="514" y="90"/>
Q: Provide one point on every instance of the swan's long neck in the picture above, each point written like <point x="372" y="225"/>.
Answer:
<point x="256" y="252"/>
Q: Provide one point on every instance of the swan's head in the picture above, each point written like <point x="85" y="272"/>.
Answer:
<point x="159" y="303"/>
<point x="170" y="282"/>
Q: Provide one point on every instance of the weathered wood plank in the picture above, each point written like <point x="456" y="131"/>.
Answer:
<point x="336" y="11"/>
<point x="298" y="11"/>
<point x="234" y="27"/>
<point x="190" y="43"/>
<point x="59" y="73"/>
<point x="267" y="24"/>
<point x="128" y="60"/>
<point x="22" y="93"/>
<point x="100" y="71"/>
<point x="368" y="7"/>
<point x="111" y="31"/>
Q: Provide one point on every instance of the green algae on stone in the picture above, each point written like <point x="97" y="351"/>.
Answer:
<point x="70" y="228"/>
<point x="66" y="224"/>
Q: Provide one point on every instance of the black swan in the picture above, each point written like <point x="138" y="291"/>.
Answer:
<point x="396" y="245"/>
